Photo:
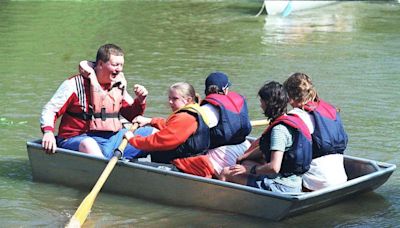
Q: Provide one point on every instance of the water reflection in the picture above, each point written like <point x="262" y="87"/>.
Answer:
<point x="350" y="49"/>
<point x="357" y="211"/>
<point x="297" y="28"/>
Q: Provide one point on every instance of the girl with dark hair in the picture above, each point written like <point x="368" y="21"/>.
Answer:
<point x="283" y="152"/>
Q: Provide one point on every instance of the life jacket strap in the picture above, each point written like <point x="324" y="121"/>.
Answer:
<point x="80" y="115"/>
<point x="101" y="115"/>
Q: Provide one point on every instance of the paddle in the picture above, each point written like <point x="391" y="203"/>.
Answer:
<point x="83" y="210"/>
<point x="255" y="123"/>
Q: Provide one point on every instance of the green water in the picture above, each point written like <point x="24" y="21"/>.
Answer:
<point x="351" y="50"/>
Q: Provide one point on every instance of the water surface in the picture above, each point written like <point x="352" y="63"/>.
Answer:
<point x="349" y="49"/>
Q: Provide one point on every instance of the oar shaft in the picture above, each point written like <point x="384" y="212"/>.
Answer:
<point x="255" y="123"/>
<point x="83" y="210"/>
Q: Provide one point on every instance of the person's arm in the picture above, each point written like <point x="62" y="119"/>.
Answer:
<point x="271" y="167"/>
<point x="178" y="129"/>
<point x="280" y="139"/>
<point x="253" y="154"/>
<point x="141" y="93"/>
<point x="132" y="108"/>
<point x="55" y="108"/>
<point x="212" y="114"/>
<point x="274" y="166"/>
<point x="49" y="142"/>
<point x="86" y="68"/>
<point x="158" y="122"/>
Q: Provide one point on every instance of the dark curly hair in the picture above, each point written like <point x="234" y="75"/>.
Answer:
<point x="276" y="99"/>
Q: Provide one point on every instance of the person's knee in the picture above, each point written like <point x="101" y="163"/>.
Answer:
<point x="154" y="130"/>
<point x="90" y="146"/>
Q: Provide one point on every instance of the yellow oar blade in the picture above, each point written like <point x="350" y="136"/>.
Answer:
<point x="84" y="208"/>
<point x="82" y="212"/>
<point x="255" y="123"/>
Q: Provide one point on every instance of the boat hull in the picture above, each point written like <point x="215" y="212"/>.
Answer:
<point x="79" y="170"/>
<point x="274" y="7"/>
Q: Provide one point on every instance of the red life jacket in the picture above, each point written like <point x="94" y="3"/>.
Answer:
<point x="298" y="158"/>
<point x="329" y="136"/>
<point x="105" y="105"/>
<point x="234" y="123"/>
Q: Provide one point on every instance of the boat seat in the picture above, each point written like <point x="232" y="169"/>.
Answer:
<point x="163" y="166"/>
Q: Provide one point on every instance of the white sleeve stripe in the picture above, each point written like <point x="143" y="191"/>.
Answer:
<point x="81" y="92"/>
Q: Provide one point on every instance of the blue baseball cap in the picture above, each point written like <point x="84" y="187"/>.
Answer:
<point x="218" y="79"/>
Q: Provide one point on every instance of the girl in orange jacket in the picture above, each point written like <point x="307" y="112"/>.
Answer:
<point x="183" y="134"/>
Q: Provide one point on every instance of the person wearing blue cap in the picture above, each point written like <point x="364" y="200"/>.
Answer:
<point x="217" y="82"/>
<point x="231" y="123"/>
<point x="228" y="121"/>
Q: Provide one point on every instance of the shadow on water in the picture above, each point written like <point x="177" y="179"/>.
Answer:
<point x="363" y="209"/>
<point x="17" y="195"/>
<point x="54" y="204"/>
<point x="15" y="169"/>
<point x="46" y="204"/>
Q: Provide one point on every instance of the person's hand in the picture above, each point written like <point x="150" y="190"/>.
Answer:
<point x="237" y="169"/>
<point x="86" y="68"/>
<point x="128" y="135"/>
<point x="241" y="158"/>
<point x="142" y="121"/>
<point x="49" y="142"/>
<point x="140" y="92"/>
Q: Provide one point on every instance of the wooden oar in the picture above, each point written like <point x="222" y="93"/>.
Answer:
<point x="83" y="210"/>
<point x="256" y="123"/>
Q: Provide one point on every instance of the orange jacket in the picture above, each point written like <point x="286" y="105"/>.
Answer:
<point x="173" y="132"/>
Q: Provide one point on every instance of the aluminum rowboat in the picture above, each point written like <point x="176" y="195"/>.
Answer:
<point x="146" y="181"/>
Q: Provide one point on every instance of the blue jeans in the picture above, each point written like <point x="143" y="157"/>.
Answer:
<point x="267" y="182"/>
<point x="108" y="142"/>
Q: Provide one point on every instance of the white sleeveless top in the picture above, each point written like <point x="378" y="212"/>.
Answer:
<point x="324" y="171"/>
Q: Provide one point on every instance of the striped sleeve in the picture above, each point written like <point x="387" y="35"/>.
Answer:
<point x="281" y="138"/>
<point x="57" y="105"/>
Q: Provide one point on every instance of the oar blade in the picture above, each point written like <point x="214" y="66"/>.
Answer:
<point x="82" y="212"/>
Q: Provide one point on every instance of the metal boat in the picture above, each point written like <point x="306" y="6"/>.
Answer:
<point x="156" y="182"/>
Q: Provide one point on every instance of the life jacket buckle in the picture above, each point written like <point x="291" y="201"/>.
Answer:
<point x="103" y="115"/>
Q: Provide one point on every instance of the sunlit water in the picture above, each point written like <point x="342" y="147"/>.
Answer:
<point x="350" y="49"/>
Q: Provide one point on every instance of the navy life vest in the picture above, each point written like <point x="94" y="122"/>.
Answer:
<point x="196" y="144"/>
<point x="298" y="159"/>
<point x="329" y="136"/>
<point x="234" y="123"/>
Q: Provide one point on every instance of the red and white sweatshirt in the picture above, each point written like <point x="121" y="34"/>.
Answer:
<point x="73" y="95"/>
